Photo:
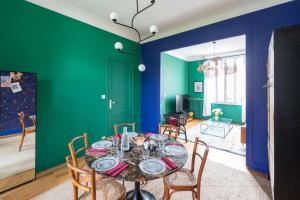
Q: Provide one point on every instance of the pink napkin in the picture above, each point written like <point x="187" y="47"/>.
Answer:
<point x="169" y="162"/>
<point x="167" y="166"/>
<point x="119" y="170"/>
<point x="111" y="171"/>
<point x="174" y="144"/>
<point x="119" y="136"/>
<point x="97" y="150"/>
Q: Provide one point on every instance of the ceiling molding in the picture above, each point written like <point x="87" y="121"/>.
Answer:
<point x="82" y="15"/>
<point x="86" y="17"/>
<point x="217" y="16"/>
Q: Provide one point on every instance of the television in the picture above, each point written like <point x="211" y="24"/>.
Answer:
<point x="182" y="103"/>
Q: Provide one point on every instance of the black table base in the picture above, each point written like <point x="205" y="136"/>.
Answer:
<point x="138" y="194"/>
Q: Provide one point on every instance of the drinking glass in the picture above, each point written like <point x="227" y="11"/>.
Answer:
<point x="116" y="142"/>
<point x="120" y="154"/>
<point x="146" y="153"/>
<point x="161" y="145"/>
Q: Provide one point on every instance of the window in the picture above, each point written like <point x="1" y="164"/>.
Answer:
<point x="231" y="80"/>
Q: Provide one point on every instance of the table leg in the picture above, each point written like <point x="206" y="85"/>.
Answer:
<point x="138" y="194"/>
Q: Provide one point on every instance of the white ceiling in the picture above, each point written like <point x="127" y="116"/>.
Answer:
<point x="171" y="16"/>
<point x="229" y="46"/>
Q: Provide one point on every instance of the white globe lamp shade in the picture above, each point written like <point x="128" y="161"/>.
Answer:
<point x="114" y="17"/>
<point x="153" y="29"/>
<point x="142" y="67"/>
<point x="118" y="46"/>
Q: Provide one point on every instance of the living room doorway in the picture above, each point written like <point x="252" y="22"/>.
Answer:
<point x="206" y="85"/>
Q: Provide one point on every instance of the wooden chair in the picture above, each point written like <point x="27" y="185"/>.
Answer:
<point x="74" y="152"/>
<point x="178" y="126"/>
<point x="104" y="189"/>
<point x="185" y="179"/>
<point x="163" y="128"/>
<point x="117" y="126"/>
<point x="24" y="129"/>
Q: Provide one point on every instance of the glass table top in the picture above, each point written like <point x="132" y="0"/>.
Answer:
<point x="219" y="122"/>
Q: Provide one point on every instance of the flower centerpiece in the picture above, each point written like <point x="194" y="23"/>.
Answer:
<point x="217" y="112"/>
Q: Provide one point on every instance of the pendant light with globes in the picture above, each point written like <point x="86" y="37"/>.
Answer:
<point x="210" y="64"/>
<point x="153" y="29"/>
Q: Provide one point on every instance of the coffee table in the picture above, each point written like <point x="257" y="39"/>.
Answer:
<point x="219" y="127"/>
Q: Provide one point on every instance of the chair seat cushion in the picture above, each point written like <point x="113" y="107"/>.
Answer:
<point x="107" y="189"/>
<point x="183" y="177"/>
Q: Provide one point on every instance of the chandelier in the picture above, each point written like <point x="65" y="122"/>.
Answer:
<point x="153" y="28"/>
<point x="210" y="64"/>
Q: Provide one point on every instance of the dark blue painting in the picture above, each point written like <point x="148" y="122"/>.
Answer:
<point x="12" y="103"/>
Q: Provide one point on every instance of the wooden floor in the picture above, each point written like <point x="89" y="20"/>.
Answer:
<point x="58" y="175"/>
<point x="44" y="181"/>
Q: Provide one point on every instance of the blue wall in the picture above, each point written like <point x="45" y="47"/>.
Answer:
<point x="258" y="27"/>
<point x="13" y="103"/>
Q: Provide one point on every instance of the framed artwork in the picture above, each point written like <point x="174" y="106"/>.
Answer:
<point x="198" y="86"/>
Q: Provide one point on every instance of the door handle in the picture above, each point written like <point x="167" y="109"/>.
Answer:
<point x="111" y="102"/>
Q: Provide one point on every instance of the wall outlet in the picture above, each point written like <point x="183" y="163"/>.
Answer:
<point x="103" y="96"/>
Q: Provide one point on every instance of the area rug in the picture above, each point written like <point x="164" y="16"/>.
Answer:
<point x="218" y="182"/>
<point x="230" y="143"/>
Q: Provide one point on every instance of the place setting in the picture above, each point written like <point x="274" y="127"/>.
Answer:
<point x="149" y="155"/>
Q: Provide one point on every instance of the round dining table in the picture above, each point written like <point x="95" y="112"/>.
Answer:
<point x="133" y="173"/>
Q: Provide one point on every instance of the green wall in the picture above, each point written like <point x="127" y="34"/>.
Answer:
<point x="179" y="77"/>
<point x="175" y="81"/>
<point x="195" y="105"/>
<point x="231" y="111"/>
<point x="70" y="59"/>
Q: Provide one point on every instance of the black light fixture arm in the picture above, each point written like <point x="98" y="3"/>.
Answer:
<point x="140" y="11"/>
<point x="150" y="36"/>
<point x="124" y="52"/>
<point x="130" y="28"/>
<point x="132" y="20"/>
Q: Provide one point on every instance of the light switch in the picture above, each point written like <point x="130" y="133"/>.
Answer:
<point x="103" y="96"/>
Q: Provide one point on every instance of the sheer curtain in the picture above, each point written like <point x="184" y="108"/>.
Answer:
<point x="210" y="86"/>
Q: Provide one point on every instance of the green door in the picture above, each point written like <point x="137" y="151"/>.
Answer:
<point x="120" y="93"/>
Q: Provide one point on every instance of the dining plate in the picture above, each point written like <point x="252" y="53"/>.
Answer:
<point x="152" y="166"/>
<point x="175" y="150"/>
<point x="104" y="164"/>
<point x="159" y="137"/>
<point x="102" y="144"/>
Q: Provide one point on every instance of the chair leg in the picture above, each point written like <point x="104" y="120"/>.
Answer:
<point x="193" y="193"/>
<point x="184" y="132"/>
<point x="167" y="194"/>
<point x="75" y="192"/>
<point x="22" y="140"/>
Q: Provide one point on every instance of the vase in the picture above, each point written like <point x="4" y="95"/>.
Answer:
<point x="216" y="118"/>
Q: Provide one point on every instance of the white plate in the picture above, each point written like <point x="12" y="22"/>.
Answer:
<point x="159" y="137"/>
<point x="104" y="164"/>
<point x="175" y="150"/>
<point x="102" y="144"/>
<point x="152" y="166"/>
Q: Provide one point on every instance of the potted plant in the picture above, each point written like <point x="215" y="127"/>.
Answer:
<point x="217" y="113"/>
